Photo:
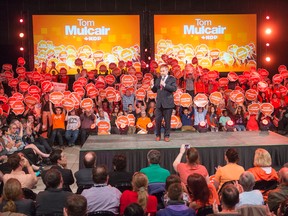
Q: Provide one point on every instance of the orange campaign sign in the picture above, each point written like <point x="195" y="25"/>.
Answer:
<point x="13" y="83"/>
<point x="212" y="75"/>
<point x="185" y="100"/>
<point x="262" y="86"/>
<point x="215" y="98"/>
<point x="92" y="92"/>
<point x="68" y="104"/>
<point x="4" y="99"/>
<point x="11" y="100"/>
<point x="36" y="76"/>
<point x="7" y="67"/>
<point x="127" y="80"/>
<point x="281" y="68"/>
<point x="232" y="76"/>
<point x="267" y="108"/>
<point x="8" y="75"/>
<point x="86" y="104"/>
<point x="284" y="74"/>
<point x="89" y="85"/>
<point x="56" y="97"/>
<point x="254" y="108"/>
<point x="110" y="95"/>
<point x="110" y="79"/>
<point x="76" y="98"/>
<point x="131" y="119"/>
<point x="223" y="82"/>
<point x="277" y="79"/>
<point x="175" y="121"/>
<point x="23" y="86"/>
<point x="31" y="100"/>
<point x="82" y="80"/>
<point x="102" y="94"/>
<point x="80" y="91"/>
<point x="66" y="94"/>
<point x="283" y="90"/>
<point x="227" y="93"/>
<point x="18" y="107"/>
<point x="33" y="89"/>
<point x="100" y="85"/>
<point x="103" y="127"/>
<point x="151" y="94"/>
<point x="140" y="94"/>
<point x="225" y="37"/>
<point x="122" y="120"/>
<point x="18" y="96"/>
<point x="201" y="100"/>
<point x="82" y="40"/>
<point x="177" y="96"/>
<point x="46" y="86"/>
<point x="251" y="94"/>
<point x="233" y="95"/>
<point x="239" y="98"/>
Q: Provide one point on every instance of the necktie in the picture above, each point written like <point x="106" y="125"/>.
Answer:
<point x="162" y="79"/>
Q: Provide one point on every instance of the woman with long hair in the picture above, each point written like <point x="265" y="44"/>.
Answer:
<point x="212" y="119"/>
<point x="139" y="195"/>
<point x="201" y="193"/>
<point x="239" y="118"/>
<point x="13" y="200"/>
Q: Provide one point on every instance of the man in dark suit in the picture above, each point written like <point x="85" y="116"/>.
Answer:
<point x="164" y="86"/>
<point x="59" y="162"/>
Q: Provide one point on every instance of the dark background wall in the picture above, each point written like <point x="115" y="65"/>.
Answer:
<point x="12" y="10"/>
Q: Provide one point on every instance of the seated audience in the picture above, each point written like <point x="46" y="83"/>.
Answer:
<point x="17" y="164"/>
<point x="59" y="162"/>
<point x="191" y="166"/>
<point x="223" y="120"/>
<point x="231" y="171"/>
<point x="53" y="199"/>
<point x="176" y="205"/>
<point x="239" y="118"/>
<point x="186" y="119"/>
<point x="201" y="193"/>
<point x="102" y="197"/>
<point x="84" y="176"/>
<point x="229" y="200"/>
<point x="249" y="196"/>
<point x="139" y="195"/>
<point x="142" y="122"/>
<point x="72" y="127"/>
<point x="212" y="119"/>
<point x="262" y="169"/>
<point x="13" y="200"/>
<point x="76" y="205"/>
<point x="154" y="172"/>
<point x="119" y="175"/>
<point x="277" y="196"/>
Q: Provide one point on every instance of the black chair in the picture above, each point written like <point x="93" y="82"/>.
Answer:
<point x="265" y="186"/>
<point x="226" y="183"/>
<point x="206" y="210"/>
<point x="82" y="187"/>
<point x="123" y="186"/>
<point x="101" y="213"/>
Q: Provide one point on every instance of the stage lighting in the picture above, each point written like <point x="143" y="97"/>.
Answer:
<point x="21" y="35"/>
<point x="146" y="50"/>
<point x="267" y="44"/>
<point x="267" y="59"/>
<point x="21" y="48"/>
<point x="21" y="20"/>
<point x="149" y="58"/>
<point x="268" y="31"/>
<point x="267" y="17"/>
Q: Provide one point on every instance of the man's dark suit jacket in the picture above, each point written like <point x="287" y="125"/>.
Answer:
<point x="67" y="176"/>
<point x="165" y="97"/>
<point x="84" y="177"/>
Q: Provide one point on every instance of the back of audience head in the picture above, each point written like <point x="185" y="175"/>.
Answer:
<point x="53" y="179"/>
<point x="153" y="156"/>
<point x="197" y="186"/>
<point x="172" y="179"/>
<point x="247" y="181"/>
<point x="229" y="197"/>
<point x="100" y="174"/>
<point x="262" y="158"/>
<point x="283" y="175"/>
<point x="14" y="161"/>
<point x="140" y="185"/>
<point x="90" y="160"/>
<point x="175" y="192"/>
<point x="134" y="209"/>
<point x="76" y="205"/>
<point x="192" y="156"/>
<point x="232" y="155"/>
<point x="119" y="162"/>
<point x="12" y="191"/>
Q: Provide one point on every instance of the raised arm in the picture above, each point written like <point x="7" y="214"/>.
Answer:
<point x="179" y="157"/>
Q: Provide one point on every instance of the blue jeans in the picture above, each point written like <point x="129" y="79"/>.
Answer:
<point x="240" y="127"/>
<point x="71" y="136"/>
<point x="59" y="133"/>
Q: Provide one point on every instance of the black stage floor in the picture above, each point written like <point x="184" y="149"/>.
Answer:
<point x="211" y="147"/>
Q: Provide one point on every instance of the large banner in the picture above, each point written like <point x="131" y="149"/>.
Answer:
<point x="96" y="39"/>
<point x="220" y="42"/>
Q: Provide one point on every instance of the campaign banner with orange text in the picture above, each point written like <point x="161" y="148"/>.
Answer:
<point x="95" y="39"/>
<point x="222" y="42"/>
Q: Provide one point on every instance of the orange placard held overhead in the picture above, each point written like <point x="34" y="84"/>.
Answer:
<point x="185" y="100"/>
<point x="215" y="98"/>
<point x="267" y="108"/>
<point x="110" y="95"/>
<point x="68" y="104"/>
<point x="201" y="100"/>
<point x="140" y="94"/>
<point x="74" y="41"/>
<point x="56" y="97"/>
<point x="86" y="104"/>
<point x="251" y="94"/>
<point x="18" y="107"/>
<point x="254" y="108"/>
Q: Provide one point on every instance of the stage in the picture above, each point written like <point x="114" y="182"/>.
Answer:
<point x="211" y="147"/>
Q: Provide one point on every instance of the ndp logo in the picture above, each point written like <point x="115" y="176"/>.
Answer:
<point x="204" y="27"/>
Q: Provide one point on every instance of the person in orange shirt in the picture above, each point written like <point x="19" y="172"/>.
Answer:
<point x="262" y="169"/>
<point x="142" y="123"/>
<point x="58" y="125"/>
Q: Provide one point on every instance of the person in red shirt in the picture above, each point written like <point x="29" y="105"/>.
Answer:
<point x="199" y="86"/>
<point x="275" y="101"/>
<point x="139" y="195"/>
